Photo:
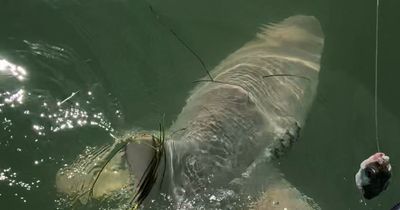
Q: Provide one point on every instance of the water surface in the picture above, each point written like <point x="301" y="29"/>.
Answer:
<point x="78" y="71"/>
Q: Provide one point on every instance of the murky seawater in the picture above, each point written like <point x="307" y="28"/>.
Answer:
<point x="74" y="72"/>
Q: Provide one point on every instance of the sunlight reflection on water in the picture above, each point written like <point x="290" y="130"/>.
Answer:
<point x="30" y="119"/>
<point x="11" y="69"/>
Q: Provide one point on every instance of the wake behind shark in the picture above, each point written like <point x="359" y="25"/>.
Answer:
<point x="248" y="115"/>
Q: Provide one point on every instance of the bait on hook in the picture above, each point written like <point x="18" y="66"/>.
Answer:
<point x="374" y="174"/>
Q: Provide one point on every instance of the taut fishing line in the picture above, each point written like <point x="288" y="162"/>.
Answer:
<point x="376" y="76"/>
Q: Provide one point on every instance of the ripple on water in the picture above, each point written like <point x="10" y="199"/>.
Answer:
<point x="30" y="118"/>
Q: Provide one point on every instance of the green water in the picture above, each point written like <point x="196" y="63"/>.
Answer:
<point x="129" y="69"/>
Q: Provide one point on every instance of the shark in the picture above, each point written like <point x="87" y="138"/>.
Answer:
<point x="222" y="146"/>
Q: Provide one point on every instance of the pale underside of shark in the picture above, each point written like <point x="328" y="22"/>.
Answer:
<point x="224" y="142"/>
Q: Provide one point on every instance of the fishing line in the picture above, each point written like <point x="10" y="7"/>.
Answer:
<point x="376" y="76"/>
<point x="211" y="79"/>
<point x="183" y="43"/>
<point x="375" y="172"/>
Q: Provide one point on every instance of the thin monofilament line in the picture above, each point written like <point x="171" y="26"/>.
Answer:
<point x="376" y="75"/>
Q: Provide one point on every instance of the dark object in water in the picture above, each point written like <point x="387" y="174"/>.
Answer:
<point x="396" y="207"/>
<point x="374" y="175"/>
